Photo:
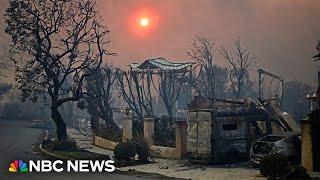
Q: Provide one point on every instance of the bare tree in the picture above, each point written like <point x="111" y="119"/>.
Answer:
<point x="238" y="66"/>
<point x="170" y="84"/>
<point x="52" y="41"/>
<point x="202" y="51"/>
<point x="221" y="79"/>
<point x="134" y="92"/>
<point x="100" y="86"/>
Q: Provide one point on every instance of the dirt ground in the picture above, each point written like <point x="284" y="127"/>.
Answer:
<point x="181" y="169"/>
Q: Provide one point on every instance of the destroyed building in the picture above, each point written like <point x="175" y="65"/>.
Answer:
<point x="223" y="130"/>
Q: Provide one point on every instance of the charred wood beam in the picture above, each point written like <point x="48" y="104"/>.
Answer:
<point x="226" y="101"/>
<point x="279" y="78"/>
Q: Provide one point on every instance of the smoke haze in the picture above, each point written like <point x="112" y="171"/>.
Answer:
<point x="281" y="33"/>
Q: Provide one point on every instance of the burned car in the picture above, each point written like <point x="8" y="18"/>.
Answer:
<point x="288" y="145"/>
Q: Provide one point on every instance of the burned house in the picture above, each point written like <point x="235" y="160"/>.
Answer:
<point x="223" y="130"/>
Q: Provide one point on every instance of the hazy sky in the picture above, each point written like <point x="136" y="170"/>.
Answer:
<point x="281" y="33"/>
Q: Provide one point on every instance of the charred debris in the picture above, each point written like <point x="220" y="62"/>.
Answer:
<point x="222" y="130"/>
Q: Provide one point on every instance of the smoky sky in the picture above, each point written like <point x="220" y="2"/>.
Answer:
<point x="282" y="34"/>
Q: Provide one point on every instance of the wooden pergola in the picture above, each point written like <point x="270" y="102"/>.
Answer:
<point x="161" y="64"/>
<point x="164" y="71"/>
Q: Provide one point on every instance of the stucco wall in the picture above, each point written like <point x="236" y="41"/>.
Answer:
<point x="156" y="151"/>
<point x="104" y="143"/>
<point x="164" y="152"/>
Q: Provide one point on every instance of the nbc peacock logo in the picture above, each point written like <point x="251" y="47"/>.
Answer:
<point x="18" y="166"/>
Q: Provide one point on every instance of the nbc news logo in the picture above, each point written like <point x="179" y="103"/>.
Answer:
<point x="18" y="166"/>
<point x="57" y="166"/>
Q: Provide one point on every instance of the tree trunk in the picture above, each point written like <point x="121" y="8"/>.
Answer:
<point x="111" y="124"/>
<point x="239" y="90"/>
<point x="95" y="123"/>
<point x="61" y="125"/>
<point x="170" y="111"/>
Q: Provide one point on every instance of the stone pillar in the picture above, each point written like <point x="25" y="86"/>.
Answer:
<point x="127" y="128"/>
<point x="306" y="145"/>
<point x="181" y="138"/>
<point x="148" y="129"/>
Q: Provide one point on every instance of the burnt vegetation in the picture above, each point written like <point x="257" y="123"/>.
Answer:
<point x="99" y="105"/>
<point x="53" y="41"/>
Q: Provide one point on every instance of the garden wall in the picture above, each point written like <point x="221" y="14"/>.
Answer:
<point x="177" y="152"/>
<point x="104" y="143"/>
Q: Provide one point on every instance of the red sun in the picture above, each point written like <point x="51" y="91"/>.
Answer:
<point x="143" y="22"/>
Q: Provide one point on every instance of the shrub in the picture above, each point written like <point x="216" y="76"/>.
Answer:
<point x="143" y="149"/>
<point x="65" y="145"/>
<point x="125" y="151"/>
<point x="48" y="145"/>
<point x="274" y="166"/>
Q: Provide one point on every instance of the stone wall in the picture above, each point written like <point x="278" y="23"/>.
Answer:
<point x="199" y="134"/>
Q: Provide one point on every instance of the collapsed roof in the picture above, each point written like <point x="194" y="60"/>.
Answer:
<point x="160" y="64"/>
<point x="270" y="110"/>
